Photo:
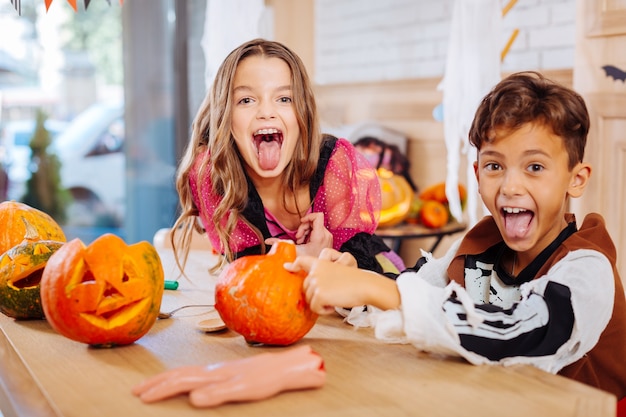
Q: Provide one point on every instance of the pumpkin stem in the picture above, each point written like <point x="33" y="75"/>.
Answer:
<point x="285" y="249"/>
<point x="31" y="233"/>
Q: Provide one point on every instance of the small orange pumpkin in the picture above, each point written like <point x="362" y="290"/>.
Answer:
<point x="258" y="298"/>
<point x="434" y="214"/>
<point x="437" y="192"/>
<point x="397" y="196"/>
<point x="105" y="294"/>
<point x="18" y="219"/>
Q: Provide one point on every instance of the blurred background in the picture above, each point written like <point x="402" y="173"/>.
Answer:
<point x="114" y="89"/>
<point x="66" y="70"/>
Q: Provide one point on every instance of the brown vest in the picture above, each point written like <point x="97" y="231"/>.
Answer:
<point x="603" y="366"/>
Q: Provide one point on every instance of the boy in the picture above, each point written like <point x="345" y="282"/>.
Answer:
<point x="525" y="285"/>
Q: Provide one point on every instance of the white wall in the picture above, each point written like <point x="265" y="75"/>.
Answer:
<point x="375" y="40"/>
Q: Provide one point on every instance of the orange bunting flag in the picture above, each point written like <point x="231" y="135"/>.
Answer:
<point x="18" y="4"/>
<point x="72" y="2"/>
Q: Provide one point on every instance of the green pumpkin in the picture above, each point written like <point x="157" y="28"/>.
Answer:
<point x="21" y="268"/>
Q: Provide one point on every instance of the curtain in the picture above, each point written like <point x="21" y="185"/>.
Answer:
<point x="472" y="69"/>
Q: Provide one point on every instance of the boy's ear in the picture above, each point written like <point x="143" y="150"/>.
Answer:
<point x="580" y="178"/>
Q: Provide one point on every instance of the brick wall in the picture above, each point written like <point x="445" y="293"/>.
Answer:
<point x="373" y="40"/>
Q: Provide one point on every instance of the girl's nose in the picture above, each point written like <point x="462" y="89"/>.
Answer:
<point x="266" y="110"/>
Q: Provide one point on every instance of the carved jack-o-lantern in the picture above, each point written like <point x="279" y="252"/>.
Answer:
<point x="105" y="294"/>
<point x="19" y="221"/>
<point x="396" y="194"/>
<point x="21" y="268"/>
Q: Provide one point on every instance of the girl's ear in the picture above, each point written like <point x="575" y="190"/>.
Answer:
<point x="579" y="180"/>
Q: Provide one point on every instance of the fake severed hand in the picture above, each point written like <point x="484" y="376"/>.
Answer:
<point x="250" y="379"/>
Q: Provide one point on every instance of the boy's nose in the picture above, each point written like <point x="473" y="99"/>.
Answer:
<point x="512" y="184"/>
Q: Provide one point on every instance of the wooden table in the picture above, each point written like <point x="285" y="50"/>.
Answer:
<point x="404" y="231"/>
<point x="45" y="374"/>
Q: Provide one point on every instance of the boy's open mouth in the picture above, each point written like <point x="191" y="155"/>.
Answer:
<point x="268" y="143"/>
<point x="517" y="221"/>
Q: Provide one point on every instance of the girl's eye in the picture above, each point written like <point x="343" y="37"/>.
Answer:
<point x="245" y="100"/>
<point x="285" y="99"/>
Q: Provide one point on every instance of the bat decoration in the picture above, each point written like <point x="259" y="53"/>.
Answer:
<point x="614" y="72"/>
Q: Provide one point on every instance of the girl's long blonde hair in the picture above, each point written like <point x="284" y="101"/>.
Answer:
<point x="212" y="138"/>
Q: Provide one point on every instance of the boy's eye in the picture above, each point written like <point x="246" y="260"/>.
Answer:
<point x="492" y="166"/>
<point x="535" y="168"/>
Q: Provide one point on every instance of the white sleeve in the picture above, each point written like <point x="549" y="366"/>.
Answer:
<point x="446" y="320"/>
<point x="434" y="272"/>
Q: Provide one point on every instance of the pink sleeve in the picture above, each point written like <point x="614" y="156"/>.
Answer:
<point x="349" y="196"/>
<point x="242" y="237"/>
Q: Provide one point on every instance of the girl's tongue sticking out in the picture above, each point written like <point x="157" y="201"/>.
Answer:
<point x="268" y="143"/>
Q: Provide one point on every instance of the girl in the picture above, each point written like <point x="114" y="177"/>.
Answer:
<point x="258" y="169"/>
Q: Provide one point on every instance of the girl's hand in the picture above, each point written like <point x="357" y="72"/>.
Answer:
<point x="312" y="236"/>
<point x="250" y="379"/>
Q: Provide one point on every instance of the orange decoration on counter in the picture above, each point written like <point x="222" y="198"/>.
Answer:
<point x="21" y="268"/>
<point x="19" y="221"/>
<point x="396" y="195"/>
<point x="434" y="214"/>
<point x="437" y="192"/>
<point x="105" y="294"/>
<point x="258" y="298"/>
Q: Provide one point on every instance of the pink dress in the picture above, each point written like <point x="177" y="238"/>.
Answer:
<point x="345" y="188"/>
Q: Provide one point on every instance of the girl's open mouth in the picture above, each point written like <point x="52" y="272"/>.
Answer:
<point x="268" y="143"/>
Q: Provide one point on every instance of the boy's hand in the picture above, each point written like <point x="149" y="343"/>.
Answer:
<point x="332" y="284"/>
<point x="254" y="378"/>
<point x="343" y="258"/>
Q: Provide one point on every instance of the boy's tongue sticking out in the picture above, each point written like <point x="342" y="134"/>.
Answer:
<point x="268" y="143"/>
<point x="517" y="222"/>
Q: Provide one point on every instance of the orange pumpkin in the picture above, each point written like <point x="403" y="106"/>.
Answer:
<point x="105" y="294"/>
<point x="397" y="196"/>
<point x="258" y="298"/>
<point x="21" y="268"/>
<point x="414" y="211"/>
<point x="17" y="220"/>
<point x="437" y="192"/>
<point x="434" y="214"/>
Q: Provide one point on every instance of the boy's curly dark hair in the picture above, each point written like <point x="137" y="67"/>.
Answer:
<point x="526" y="97"/>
